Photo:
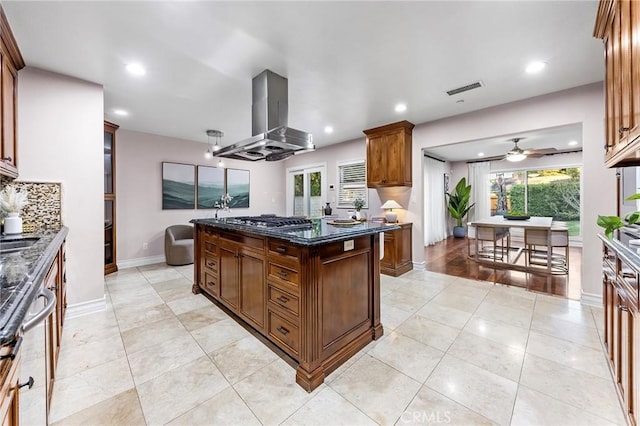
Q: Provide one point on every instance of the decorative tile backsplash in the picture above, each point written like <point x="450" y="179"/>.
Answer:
<point x="44" y="208"/>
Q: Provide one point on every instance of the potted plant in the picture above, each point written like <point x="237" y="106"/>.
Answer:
<point x="459" y="207"/>
<point x="11" y="203"/>
<point x="358" y="204"/>
<point x="611" y="223"/>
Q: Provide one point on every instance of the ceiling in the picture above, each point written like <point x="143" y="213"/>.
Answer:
<point x="348" y="63"/>
<point x="552" y="137"/>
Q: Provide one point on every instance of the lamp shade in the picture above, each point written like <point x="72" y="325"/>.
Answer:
<point x="390" y="204"/>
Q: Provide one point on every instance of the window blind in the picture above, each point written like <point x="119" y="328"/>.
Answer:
<point x="352" y="177"/>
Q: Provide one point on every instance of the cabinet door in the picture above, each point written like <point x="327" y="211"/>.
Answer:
<point x="229" y="283"/>
<point x="608" y="295"/>
<point x="9" y="76"/>
<point x="394" y="170"/>
<point x="252" y="287"/>
<point x="376" y="160"/>
<point x="634" y="61"/>
<point x="389" y="258"/>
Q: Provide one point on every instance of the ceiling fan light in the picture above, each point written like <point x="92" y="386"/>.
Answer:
<point x="515" y="157"/>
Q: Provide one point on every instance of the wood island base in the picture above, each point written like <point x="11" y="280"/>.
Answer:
<point x="319" y="303"/>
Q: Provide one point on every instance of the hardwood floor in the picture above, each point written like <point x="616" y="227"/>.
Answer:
<point x="450" y="257"/>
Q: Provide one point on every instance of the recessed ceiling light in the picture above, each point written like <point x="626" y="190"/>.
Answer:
<point x="120" y="112"/>
<point x="481" y="154"/>
<point x="136" y="69"/>
<point x="401" y="108"/>
<point x="328" y="129"/>
<point x="573" y="143"/>
<point x="535" y="67"/>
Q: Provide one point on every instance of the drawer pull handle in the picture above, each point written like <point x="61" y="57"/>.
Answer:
<point x="283" y="330"/>
<point x="282" y="250"/>
<point x="282" y="273"/>
<point x="623" y="129"/>
<point x="29" y="383"/>
<point x="9" y="159"/>
<point x="283" y="299"/>
<point x="211" y="284"/>
<point x="623" y="308"/>
<point x="628" y="275"/>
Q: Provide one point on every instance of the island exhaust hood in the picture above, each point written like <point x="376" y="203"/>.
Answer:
<point x="272" y="139"/>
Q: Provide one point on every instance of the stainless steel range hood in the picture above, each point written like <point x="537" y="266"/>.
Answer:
<point x="272" y="138"/>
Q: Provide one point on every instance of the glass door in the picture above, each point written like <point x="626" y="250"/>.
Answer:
<point x="109" y="198"/>
<point x="306" y="191"/>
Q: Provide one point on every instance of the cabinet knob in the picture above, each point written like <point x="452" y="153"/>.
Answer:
<point x="281" y="249"/>
<point x="9" y="159"/>
<point x="282" y="299"/>
<point x="623" y="129"/>
<point x="623" y="308"/>
<point x="607" y="146"/>
<point x="29" y="383"/>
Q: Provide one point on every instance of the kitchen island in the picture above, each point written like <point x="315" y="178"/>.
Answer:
<point x="312" y="289"/>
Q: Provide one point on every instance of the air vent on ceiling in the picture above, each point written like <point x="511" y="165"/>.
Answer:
<point x="465" y="88"/>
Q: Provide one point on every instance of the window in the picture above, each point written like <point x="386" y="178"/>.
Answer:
<point x="352" y="183"/>
<point x="545" y="192"/>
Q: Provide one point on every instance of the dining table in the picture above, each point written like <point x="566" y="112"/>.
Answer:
<point x="524" y="222"/>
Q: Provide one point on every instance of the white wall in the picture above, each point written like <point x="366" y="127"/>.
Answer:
<point x="139" y="215"/>
<point x="579" y="105"/>
<point x="60" y="131"/>
<point x="346" y="151"/>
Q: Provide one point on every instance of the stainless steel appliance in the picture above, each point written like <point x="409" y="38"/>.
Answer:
<point x="271" y="221"/>
<point x="36" y="370"/>
<point x="272" y="138"/>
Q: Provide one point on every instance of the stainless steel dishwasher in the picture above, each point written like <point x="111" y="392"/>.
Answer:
<point x="37" y="361"/>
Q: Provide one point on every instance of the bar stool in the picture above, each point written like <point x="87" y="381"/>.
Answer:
<point x="540" y="237"/>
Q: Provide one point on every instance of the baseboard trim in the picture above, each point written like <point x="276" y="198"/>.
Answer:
<point x="86" y="308"/>
<point x="419" y="266"/>
<point x="141" y="261"/>
<point x="591" y="299"/>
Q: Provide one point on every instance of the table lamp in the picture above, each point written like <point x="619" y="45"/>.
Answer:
<point x="389" y="215"/>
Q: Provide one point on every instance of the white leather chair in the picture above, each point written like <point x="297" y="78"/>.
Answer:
<point x="482" y="234"/>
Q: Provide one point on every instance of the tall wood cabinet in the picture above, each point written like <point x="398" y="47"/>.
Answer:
<point x="110" y="198"/>
<point x="389" y="155"/>
<point x="10" y="62"/>
<point x="618" y="24"/>
<point x="621" y="324"/>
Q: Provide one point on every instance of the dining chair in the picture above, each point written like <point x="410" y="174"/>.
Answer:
<point x="534" y="239"/>
<point x="491" y="234"/>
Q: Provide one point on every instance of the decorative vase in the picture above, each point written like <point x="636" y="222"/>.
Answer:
<point x="13" y="223"/>
<point x="358" y="215"/>
<point x="327" y="210"/>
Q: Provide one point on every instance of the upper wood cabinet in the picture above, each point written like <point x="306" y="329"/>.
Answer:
<point x="618" y="24"/>
<point x="10" y="62"/>
<point x="389" y="155"/>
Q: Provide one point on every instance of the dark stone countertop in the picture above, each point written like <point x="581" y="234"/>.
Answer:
<point x="21" y="276"/>
<point x="319" y="232"/>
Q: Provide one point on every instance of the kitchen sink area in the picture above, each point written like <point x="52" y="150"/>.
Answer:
<point x="10" y="244"/>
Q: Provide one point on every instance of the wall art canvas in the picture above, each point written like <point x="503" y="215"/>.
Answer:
<point x="178" y="186"/>
<point x="238" y="188"/>
<point x="210" y="186"/>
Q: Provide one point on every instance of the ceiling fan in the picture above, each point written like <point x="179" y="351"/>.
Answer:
<point x="516" y="153"/>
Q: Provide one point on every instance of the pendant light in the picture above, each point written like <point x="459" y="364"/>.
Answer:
<point x="213" y="148"/>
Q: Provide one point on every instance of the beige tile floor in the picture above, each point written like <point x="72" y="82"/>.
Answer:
<point x="454" y="351"/>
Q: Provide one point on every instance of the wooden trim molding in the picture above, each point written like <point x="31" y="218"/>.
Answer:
<point x="10" y="42"/>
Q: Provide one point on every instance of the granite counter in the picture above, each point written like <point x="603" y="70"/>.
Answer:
<point x="21" y="276"/>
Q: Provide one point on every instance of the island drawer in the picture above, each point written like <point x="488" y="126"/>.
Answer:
<point x="284" y="332"/>
<point x="210" y="247"/>
<point x="284" y="300"/>
<point x="211" y="283"/>
<point x="282" y="250"/>
<point x="284" y="273"/>
<point x="211" y="262"/>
